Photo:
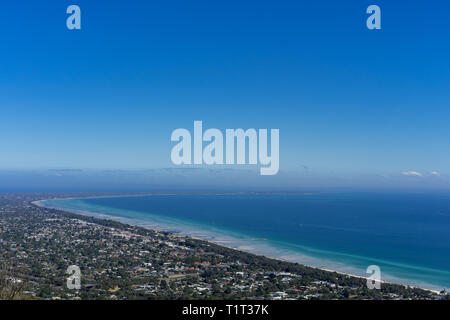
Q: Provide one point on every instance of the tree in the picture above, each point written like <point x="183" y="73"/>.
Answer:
<point x="11" y="286"/>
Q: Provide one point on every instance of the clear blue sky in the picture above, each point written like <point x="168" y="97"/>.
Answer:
<point x="346" y="99"/>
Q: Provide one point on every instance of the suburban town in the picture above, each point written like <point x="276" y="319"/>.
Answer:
<point x="118" y="261"/>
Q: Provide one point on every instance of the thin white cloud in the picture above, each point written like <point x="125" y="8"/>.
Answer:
<point x="435" y="173"/>
<point x="412" y="173"/>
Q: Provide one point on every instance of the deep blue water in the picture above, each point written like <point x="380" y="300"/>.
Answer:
<point x="407" y="235"/>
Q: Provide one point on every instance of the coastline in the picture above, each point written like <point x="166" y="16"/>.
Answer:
<point x="214" y="239"/>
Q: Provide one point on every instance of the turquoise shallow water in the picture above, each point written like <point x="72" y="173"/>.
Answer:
<point x="407" y="235"/>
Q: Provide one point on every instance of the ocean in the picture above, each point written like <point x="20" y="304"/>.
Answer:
<point x="407" y="235"/>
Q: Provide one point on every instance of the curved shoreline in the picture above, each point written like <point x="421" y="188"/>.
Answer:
<point x="228" y="239"/>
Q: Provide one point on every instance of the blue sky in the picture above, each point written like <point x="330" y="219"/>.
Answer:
<point x="347" y="100"/>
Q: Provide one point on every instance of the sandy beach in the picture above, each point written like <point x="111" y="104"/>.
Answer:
<point x="251" y="245"/>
